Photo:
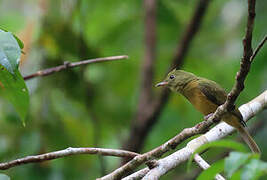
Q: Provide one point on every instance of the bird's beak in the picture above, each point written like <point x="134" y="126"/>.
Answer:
<point x="163" y="83"/>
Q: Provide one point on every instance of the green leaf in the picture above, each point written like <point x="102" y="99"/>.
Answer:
<point x="221" y="143"/>
<point x="254" y="170"/>
<point x="9" y="51"/>
<point x="214" y="169"/>
<point x="4" y="177"/>
<point x="20" y="43"/>
<point x="234" y="161"/>
<point x="12" y="85"/>
<point x="236" y="175"/>
<point x="13" y="88"/>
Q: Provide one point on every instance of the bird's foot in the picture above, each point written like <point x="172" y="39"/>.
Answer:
<point x="208" y="116"/>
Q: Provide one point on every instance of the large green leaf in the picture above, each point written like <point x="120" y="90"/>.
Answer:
<point x="235" y="161"/>
<point x="12" y="85"/>
<point x="236" y="175"/>
<point x="13" y="88"/>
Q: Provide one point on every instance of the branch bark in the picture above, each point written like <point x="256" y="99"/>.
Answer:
<point x="68" y="65"/>
<point x="245" y="61"/>
<point x="139" y="131"/>
<point x="67" y="152"/>
<point x="137" y="175"/>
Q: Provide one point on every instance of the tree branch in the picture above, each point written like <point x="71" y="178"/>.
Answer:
<point x="68" y="65"/>
<point x="139" y="131"/>
<point x="245" y="61"/>
<point x="244" y="66"/>
<point x="67" y="152"/>
<point x="137" y="175"/>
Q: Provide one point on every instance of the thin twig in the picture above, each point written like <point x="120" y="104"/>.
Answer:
<point x="67" y="152"/>
<point x="204" y="165"/>
<point x="260" y="45"/>
<point x="67" y="65"/>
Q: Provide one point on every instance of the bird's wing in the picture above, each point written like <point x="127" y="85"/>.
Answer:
<point x="214" y="92"/>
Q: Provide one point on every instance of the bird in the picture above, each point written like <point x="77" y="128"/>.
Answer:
<point x="206" y="96"/>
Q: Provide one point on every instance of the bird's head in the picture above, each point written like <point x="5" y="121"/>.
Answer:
<point x="176" y="80"/>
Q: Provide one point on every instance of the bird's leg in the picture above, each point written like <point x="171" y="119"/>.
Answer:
<point x="208" y="116"/>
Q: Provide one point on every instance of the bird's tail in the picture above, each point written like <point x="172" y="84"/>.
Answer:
<point x="249" y="140"/>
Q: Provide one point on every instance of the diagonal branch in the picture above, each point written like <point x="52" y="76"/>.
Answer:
<point x="191" y="30"/>
<point x="67" y="152"/>
<point x="245" y="61"/>
<point x="68" y="65"/>
<point x="139" y="131"/>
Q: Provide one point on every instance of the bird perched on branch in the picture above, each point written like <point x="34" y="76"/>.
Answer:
<point x="206" y="95"/>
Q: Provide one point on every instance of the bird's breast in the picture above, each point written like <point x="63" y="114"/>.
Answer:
<point x="198" y="99"/>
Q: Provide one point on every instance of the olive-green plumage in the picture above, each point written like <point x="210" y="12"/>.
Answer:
<point x="206" y="95"/>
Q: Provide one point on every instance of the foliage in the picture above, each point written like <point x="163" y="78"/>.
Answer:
<point x="12" y="84"/>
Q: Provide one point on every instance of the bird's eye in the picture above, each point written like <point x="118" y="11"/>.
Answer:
<point x="172" y="76"/>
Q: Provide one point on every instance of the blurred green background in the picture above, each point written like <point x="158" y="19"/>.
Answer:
<point x="92" y="106"/>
